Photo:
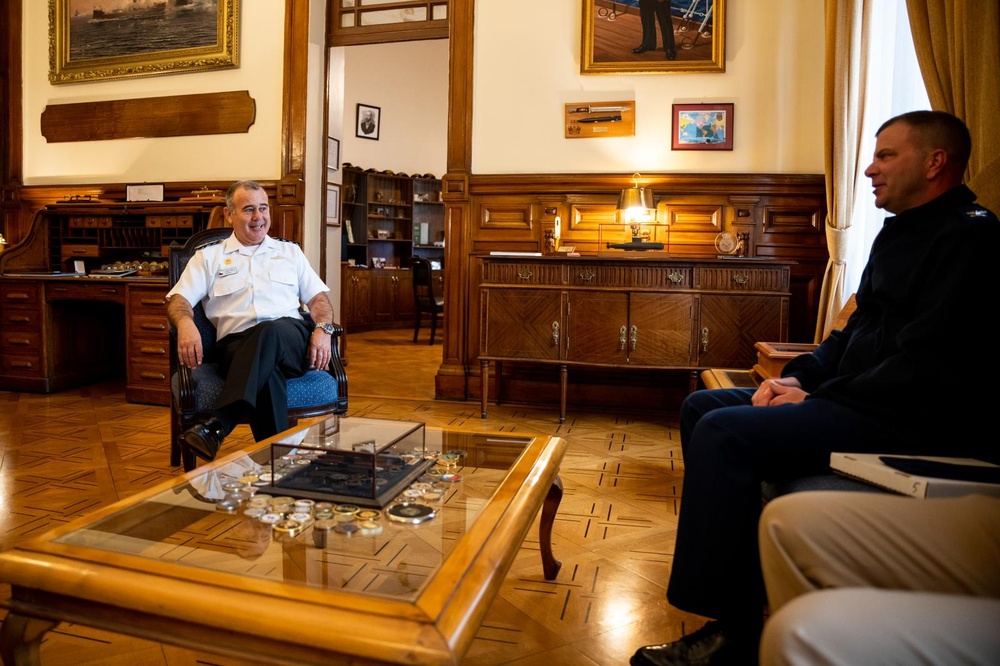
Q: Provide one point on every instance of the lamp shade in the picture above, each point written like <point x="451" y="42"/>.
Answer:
<point x="635" y="197"/>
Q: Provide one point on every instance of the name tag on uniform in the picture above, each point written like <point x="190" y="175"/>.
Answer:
<point x="228" y="270"/>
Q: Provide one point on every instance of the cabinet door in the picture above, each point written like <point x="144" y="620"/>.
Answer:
<point x="597" y="327"/>
<point x="659" y="329"/>
<point x="385" y="295"/>
<point x="405" y="307"/>
<point x="522" y="323"/>
<point x="356" y="297"/>
<point x="728" y="327"/>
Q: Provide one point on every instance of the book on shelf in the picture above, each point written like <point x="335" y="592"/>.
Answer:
<point x="920" y="476"/>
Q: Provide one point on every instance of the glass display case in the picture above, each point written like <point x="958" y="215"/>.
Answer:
<point x="343" y="460"/>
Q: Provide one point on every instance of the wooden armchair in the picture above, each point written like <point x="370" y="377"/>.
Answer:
<point x="193" y="392"/>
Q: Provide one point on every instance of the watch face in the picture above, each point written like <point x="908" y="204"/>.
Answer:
<point x="326" y="328"/>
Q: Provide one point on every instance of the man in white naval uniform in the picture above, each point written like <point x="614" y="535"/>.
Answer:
<point x="251" y="287"/>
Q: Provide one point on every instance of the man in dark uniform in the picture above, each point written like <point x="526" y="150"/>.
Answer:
<point x="651" y="11"/>
<point x="251" y="287"/>
<point x="894" y="380"/>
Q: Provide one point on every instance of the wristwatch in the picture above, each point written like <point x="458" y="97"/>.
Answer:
<point x="326" y="327"/>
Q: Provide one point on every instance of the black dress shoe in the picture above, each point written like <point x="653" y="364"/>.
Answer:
<point x="642" y="49"/>
<point x="703" y="647"/>
<point x="671" y="54"/>
<point x="205" y="439"/>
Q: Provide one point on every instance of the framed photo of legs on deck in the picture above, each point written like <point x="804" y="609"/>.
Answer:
<point x="635" y="36"/>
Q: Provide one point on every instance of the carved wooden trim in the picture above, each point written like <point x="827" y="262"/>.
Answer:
<point x="175" y="115"/>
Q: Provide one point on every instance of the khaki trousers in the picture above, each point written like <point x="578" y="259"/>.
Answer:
<point x="857" y="578"/>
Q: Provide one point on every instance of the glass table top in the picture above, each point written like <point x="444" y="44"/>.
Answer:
<point x="180" y="525"/>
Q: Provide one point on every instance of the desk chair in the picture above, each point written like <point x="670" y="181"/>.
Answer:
<point x="194" y="392"/>
<point x="424" y="300"/>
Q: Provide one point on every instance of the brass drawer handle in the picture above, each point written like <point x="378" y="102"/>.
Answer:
<point x="741" y="278"/>
<point x="28" y="365"/>
<point x="153" y="327"/>
<point x="154" y="375"/>
<point x="587" y="275"/>
<point x="157" y="303"/>
<point x="17" y="296"/>
<point x="524" y="274"/>
<point x="153" y="351"/>
<point x="675" y="277"/>
<point x="23" y="342"/>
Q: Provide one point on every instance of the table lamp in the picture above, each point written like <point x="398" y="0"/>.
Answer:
<point x="635" y="206"/>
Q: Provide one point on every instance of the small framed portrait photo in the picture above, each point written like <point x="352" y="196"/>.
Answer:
<point x="368" y="122"/>
<point x="702" y="127"/>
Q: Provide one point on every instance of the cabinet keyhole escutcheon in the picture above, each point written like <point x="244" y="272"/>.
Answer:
<point x="555" y="334"/>
<point x="704" y="338"/>
<point x="634" y="335"/>
<point x="621" y="338"/>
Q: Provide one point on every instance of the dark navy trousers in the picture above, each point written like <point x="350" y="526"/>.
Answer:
<point x="729" y="447"/>
<point x="256" y="363"/>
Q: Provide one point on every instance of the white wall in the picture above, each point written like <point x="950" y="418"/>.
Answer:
<point x="527" y="62"/>
<point x="255" y="154"/>
<point x="408" y="81"/>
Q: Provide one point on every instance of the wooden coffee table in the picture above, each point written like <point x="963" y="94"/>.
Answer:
<point x="168" y="566"/>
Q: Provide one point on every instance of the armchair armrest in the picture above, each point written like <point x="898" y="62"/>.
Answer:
<point x="772" y="356"/>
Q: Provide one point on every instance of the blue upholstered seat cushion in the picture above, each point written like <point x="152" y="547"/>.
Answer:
<point x="312" y="389"/>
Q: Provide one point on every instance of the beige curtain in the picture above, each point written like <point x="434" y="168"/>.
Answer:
<point x="844" y="88"/>
<point x="958" y="48"/>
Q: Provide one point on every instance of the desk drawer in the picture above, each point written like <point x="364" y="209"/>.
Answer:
<point x="25" y="365"/>
<point x="97" y="290"/>
<point x="148" y="326"/>
<point x="20" y="342"/>
<point x="147" y="302"/>
<point x="149" y="375"/>
<point x="70" y="251"/>
<point x="18" y="295"/>
<point x="20" y="318"/>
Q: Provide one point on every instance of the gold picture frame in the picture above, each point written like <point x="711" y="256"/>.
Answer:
<point x="92" y="40"/>
<point x="626" y="36"/>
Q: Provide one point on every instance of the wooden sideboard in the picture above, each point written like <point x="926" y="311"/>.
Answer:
<point x="655" y="313"/>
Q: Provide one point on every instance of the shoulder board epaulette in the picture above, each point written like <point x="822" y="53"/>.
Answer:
<point x="210" y="243"/>
<point x="285" y="240"/>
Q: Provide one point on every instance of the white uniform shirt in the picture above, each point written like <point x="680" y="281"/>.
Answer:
<point x="241" y="286"/>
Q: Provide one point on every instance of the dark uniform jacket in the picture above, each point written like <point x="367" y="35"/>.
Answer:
<point x="919" y="352"/>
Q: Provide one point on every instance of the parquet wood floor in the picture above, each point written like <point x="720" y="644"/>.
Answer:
<point x="66" y="454"/>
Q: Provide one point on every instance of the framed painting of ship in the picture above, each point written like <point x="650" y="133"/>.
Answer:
<point x="653" y="36"/>
<point x="92" y="40"/>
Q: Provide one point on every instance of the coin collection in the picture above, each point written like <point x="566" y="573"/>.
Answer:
<point x="289" y="517"/>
